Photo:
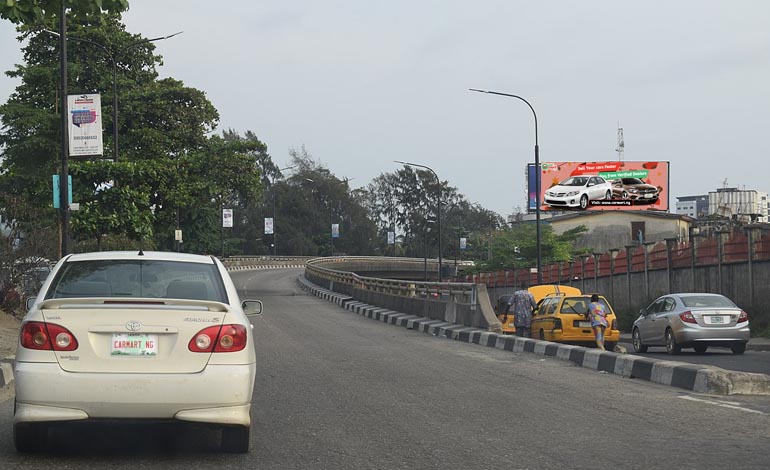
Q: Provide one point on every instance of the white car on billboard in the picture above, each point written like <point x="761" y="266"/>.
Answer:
<point x="132" y="337"/>
<point x="577" y="191"/>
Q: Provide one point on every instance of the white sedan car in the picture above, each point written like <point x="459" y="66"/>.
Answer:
<point x="576" y="191"/>
<point x="135" y="336"/>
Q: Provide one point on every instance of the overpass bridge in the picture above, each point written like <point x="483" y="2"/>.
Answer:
<point x="393" y="283"/>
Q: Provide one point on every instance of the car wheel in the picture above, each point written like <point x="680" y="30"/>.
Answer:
<point x="700" y="348"/>
<point x="636" y="337"/>
<point x="608" y="195"/>
<point x="30" y="437"/>
<point x="584" y="201"/>
<point x="624" y="195"/>
<point x="738" y="348"/>
<point x="610" y="346"/>
<point x="671" y="346"/>
<point x="235" y="439"/>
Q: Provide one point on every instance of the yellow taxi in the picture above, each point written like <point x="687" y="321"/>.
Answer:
<point x="507" y="317"/>
<point x="563" y="317"/>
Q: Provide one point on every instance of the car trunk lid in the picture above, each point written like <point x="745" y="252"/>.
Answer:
<point x="133" y="336"/>
<point x="716" y="317"/>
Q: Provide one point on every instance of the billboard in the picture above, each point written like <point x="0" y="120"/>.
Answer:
<point x="618" y="185"/>
<point x="85" y="125"/>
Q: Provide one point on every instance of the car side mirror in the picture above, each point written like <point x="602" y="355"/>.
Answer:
<point x="251" y="307"/>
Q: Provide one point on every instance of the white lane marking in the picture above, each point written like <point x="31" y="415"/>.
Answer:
<point x="722" y="404"/>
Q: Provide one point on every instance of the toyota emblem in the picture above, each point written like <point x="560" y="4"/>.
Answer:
<point x="133" y="325"/>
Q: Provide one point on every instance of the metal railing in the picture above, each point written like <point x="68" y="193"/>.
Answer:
<point x="339" y="270"/>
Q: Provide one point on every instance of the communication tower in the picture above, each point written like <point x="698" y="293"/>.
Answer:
<point x="621" y="144"/>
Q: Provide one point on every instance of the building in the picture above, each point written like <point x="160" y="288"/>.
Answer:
<point x="617" y="229"/>
<point x="745" y="205"/>
<point x="696" y="207"/>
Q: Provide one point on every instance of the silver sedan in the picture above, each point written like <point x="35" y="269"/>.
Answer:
<point x="691" y="320"/>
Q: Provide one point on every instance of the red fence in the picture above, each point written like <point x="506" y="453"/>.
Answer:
<point x="707" y="251"/>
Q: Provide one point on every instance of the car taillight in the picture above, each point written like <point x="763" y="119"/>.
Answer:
<point x="687" y="317"/>
<point x="557" y="324"/>
<point x="47" y="337"/>
<point x="225" y="338"/>
<point x="743" y="317"/>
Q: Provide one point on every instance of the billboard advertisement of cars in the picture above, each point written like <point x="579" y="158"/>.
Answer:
<point x="600" y="186"/>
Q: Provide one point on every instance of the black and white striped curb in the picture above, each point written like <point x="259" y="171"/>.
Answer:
<point x="265" y="266"/>
<point x="698" y="378"/>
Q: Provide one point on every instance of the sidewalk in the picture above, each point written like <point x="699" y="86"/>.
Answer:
<point x="9" y="338"/>
<point x="755" y="343"/>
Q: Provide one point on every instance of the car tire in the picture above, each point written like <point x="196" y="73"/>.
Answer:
<point x="235" y="439"/>
<point x="608" y="195"/>
<point x="542" y="335"/>
<point x="624" y="195"/>
<point x="700" y="348"/>
<point x="610" y="346"/>
<point x="671" y="345"/>
<point x="30" y="437"/>
<point x="584" y="201"/>
<point x="636" y="339"/>
<point x="738" y="348"/>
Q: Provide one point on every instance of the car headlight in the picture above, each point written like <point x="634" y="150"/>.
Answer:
<point x="573" y="193"/>
<point x="632" y="190"/>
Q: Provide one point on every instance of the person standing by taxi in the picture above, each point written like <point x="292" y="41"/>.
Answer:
<point x="523" y="303"/>
<point x="597" y="313"/>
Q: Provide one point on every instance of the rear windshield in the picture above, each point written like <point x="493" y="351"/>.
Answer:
<point x="141" y="279"/>
<point x="580" y="305"/>
<point x="695" y="301"/>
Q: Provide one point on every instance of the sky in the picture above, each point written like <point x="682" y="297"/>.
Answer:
<point x="360" y="84"/>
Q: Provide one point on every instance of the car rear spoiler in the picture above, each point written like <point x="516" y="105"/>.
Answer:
<point x="134" y="303"/>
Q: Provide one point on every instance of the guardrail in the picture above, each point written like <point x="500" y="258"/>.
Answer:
<point x="323" y="268"/>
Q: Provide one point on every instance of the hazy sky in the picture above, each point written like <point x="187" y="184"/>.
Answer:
<point x="363" y="83"/>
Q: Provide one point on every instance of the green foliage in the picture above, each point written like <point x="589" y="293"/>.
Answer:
<point x="32" y="12"/>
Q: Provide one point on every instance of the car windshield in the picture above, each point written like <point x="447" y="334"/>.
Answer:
<point x="632" y="181"/>
<point x="694" y="301"/>
<point x="574" y="181"/>
<point x="144" y="279"/>
<point x="580" y="305"/>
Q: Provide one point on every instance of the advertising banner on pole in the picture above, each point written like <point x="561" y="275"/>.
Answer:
<point x="391" y="238"/>
<point x="227" y="217"/>
<point x="614" y="185"/>
<point x="335" y="230"/>
<point x="268" y="225"/>
<point x="463" y="243"/>
<point x="85" y="125"/>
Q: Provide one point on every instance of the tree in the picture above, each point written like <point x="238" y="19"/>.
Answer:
<point x="163" y="131"/>
<point x="32" y="12"/>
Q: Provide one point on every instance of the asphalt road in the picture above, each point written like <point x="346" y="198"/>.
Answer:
<point x="338" y="390"/>
<point x="750" y="361"/>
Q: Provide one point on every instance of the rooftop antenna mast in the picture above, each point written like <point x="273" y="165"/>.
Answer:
<point x="621" y="144"/>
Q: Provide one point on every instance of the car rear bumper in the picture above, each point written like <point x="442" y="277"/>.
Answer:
<point x="561" y="336"/>
<point x="727" y="335"/>
<point x="220" y="394"/>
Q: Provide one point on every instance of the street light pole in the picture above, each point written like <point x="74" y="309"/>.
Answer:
<point x="64" y="180"/>
<point x="438" y="212"/>
<point x="537" y="179"/>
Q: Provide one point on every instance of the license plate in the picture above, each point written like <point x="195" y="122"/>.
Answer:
<point x="129" y="344"/>
<point x="584" y="324"/>
<point x="716" y="319"/>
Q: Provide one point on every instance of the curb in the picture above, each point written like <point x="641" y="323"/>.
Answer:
<point x="697" y="378"/>
<point x="6" y="372"/>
